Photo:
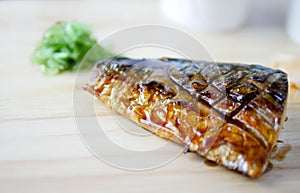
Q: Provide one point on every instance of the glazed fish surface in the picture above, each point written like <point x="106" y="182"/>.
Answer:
<point x="228" y="113"/>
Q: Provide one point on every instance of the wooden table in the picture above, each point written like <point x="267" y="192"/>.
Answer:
<point x="40" y="148"/>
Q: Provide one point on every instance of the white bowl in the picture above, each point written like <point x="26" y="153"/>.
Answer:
<point x="293" y="23"/>
<point x="216" y="15"/>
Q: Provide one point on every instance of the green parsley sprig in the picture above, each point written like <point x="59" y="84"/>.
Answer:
<point x="63" y="46"/>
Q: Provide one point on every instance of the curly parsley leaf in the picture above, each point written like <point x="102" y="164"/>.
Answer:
<point x="63" y="46"/>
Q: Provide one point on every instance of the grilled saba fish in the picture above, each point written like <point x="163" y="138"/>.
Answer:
<point x="229" y="113"/>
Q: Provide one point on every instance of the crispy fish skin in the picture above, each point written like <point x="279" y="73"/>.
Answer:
<point x="229" y="113"/>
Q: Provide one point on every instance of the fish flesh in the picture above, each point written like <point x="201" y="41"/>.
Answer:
<point x="228" y="113"/>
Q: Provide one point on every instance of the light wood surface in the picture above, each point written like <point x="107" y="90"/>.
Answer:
<point x="40" y="148"/>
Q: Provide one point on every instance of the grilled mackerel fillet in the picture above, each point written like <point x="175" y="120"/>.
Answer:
<point x="229" y="113"/>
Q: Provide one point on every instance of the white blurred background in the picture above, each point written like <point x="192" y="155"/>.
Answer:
<point x="261" y="34"/>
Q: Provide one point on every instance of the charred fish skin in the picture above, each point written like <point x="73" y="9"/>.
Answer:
<point x="229" y="113"/>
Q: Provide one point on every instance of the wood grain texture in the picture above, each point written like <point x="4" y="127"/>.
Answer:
<point x="40" y="148"/>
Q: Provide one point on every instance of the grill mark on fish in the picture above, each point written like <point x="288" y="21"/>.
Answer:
<point x="228" y="117"/>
